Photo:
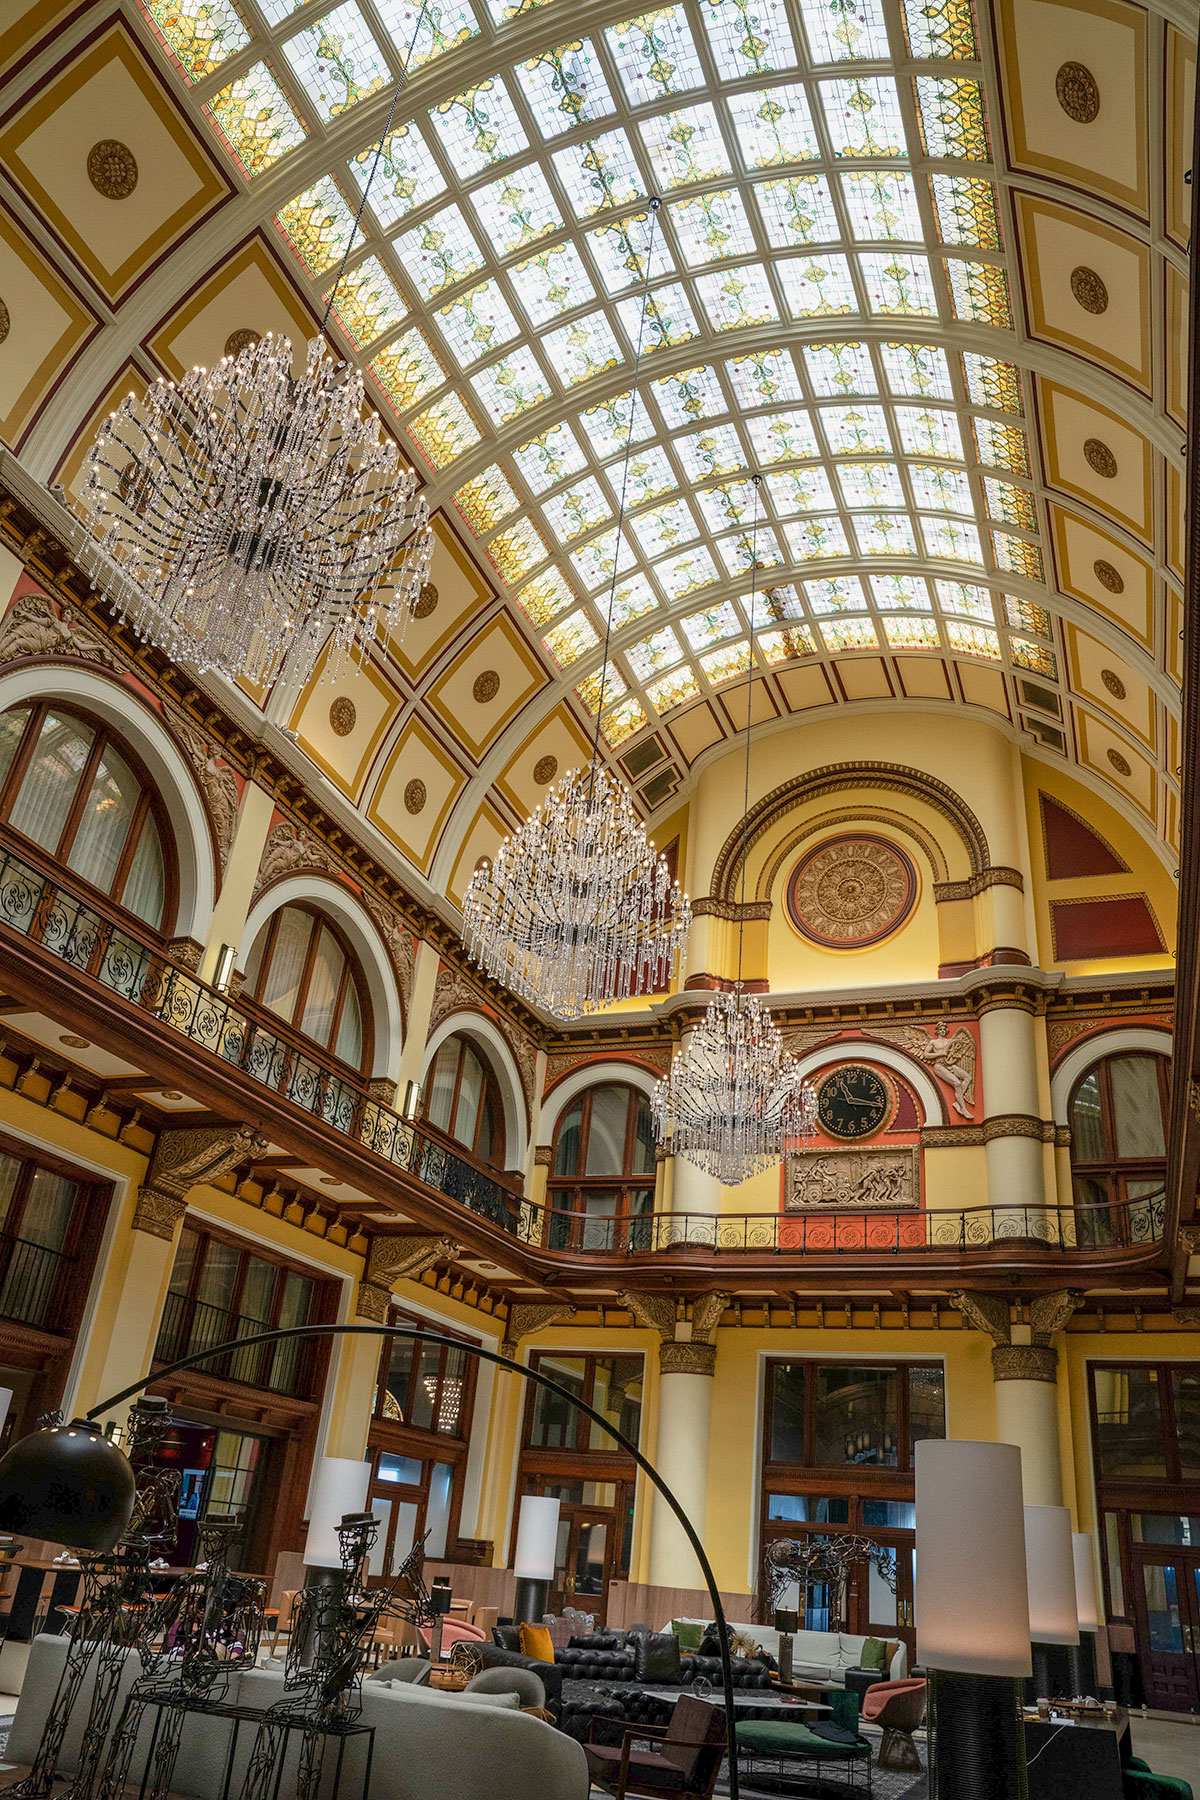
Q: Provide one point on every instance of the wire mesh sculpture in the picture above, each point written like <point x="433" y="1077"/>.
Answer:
<point x="828" y="1562"/>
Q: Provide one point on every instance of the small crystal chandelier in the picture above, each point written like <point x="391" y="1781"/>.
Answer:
<point x="733" y="1100"/>
<point x="244" y="516"/>
<point x="577" y="909"/>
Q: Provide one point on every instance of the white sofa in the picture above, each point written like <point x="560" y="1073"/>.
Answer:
<point x="816" y="1655"/>
<point x="426" y="1742"/>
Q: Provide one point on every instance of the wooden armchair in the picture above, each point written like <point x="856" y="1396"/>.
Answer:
<point x="684" y="1765"/>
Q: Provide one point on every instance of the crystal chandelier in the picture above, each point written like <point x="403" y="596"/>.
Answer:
<point x="577" y="909"/>
<point x="245" y="516"/>
<point x="733" y="1101"/>
<point x="241" y="517"/>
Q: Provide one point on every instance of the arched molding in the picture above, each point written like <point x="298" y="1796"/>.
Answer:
<point x="596" y="1074"/>
<point x="337" y="902"/>
<point x="837" y="778"/>
<point x="488" y="1038"/>
<point x="1095" y="1049"/>
<point x="840" y="822"/>
<point x="829" y="1056"/>
<point x="141" y="728"/>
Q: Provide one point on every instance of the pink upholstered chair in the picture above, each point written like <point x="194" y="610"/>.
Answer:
<point x="453" y="1631"/>
<point x="684" y="1765"/>
<point x="897" y="1707"/>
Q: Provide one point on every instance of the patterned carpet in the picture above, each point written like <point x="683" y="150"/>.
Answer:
<point x="886" y="1784"/>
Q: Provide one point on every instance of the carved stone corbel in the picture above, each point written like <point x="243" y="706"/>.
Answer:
<point x="184" y="1158"/>
<point x="656" y="1312"/>
<point x="694" y="1355"/>
<point x="1189" y="1240"/>
<point x="1049" y="1313"/>
<point x="983" y="1312"/>
<point x="523" y="1320"/>
<point x="391" y="1260"/>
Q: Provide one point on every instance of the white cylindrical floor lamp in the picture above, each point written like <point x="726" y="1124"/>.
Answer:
<point x="972" y="1613"/>
<point x="1087" y="1610"/>
<point x="536" y="1553"/>
<point x="1053" y="1617"/>
<point x="339" y="1487"/>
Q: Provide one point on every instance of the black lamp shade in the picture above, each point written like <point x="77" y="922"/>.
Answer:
<point x="68" y="1484"/>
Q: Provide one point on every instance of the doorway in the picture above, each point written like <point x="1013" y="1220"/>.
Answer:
<point x="583" y="1563"/>
<point x="1167" y="1600"/>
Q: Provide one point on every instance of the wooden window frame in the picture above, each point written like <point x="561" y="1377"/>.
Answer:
<point x="351" y="975"/>
<point x="149" y="804"/>
<point x="426" y="1434"/>
<point x="564" y="1191"/>
<point x="827" y="1476"/>
<point x="490" y="1094"/>
<point x="1114" y="1172"/>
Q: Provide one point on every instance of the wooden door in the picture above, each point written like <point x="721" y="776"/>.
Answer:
<point x="584" y="1563"/>
<point x="1167" y="1591"/>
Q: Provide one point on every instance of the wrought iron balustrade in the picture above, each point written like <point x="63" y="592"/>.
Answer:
<point x="69" y="928"/>
<point x="190" y="1325"/>
<point x="32" y="1283"/>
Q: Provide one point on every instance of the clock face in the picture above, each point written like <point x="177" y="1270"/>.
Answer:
<point x="854" y="1102"/>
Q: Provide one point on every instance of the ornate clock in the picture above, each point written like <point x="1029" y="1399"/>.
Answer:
<point x="854" y="1102"/>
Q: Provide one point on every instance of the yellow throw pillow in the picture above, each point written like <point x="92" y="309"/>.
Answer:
<point x="537" y="1643"/>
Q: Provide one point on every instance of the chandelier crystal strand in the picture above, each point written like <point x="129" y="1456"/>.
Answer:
<point x="243" y="517"/>
<point x="734" y="1100"/>
<point x="577" y="909"/>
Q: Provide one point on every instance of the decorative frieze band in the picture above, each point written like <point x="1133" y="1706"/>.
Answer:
<point x="1024" y="1362"/>
<point x="712" y="907"/>
<point x="687" y="1359"/>
<point x="995" y="876"/>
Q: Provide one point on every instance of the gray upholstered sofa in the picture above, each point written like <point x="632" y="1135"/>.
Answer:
<point x="427" y="1743"/>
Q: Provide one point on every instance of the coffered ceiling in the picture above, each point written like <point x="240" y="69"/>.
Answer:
<point x="919" y="266"/>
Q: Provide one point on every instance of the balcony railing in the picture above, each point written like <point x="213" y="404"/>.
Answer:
<point x="1123" y="1224"/>
<point x="189" y="1326"/>
<point x="33" y="1283"/>
<point x="68" y="927"/>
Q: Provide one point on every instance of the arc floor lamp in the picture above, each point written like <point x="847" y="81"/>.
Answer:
<point x="72" y="1485"/>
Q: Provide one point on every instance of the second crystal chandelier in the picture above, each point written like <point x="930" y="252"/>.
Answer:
<point x="734" y="1101"/>
<point x="577" y="909"/>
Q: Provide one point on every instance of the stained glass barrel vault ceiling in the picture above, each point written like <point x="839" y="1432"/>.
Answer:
<point x="835" y="301"/>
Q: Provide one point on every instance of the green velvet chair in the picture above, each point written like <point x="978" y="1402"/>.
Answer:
<point x="1141" y="1783"/>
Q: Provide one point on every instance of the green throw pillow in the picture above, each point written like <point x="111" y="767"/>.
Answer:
<point x="874" y="1651"/>
<point x="687" y="1635"/>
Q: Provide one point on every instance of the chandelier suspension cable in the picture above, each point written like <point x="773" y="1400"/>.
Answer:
<point x="653" y="205"/>
<point x="756" y="479"/>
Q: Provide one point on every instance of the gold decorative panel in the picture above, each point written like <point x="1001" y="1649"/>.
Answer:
<point x="47" y="325"/>
<point x="1113" y="756"/>
<point x="415" y="792"/>
<point x="1102" y="571"/>
<point x="1092" y="452"/>
<point x="1087" y="286"/>
<point x="558" y="744"/>
<point x="1109" y="683"/>
<point x="342" y="721"/>
<point x="486" y="685"/>
<point x="251" y="293"/>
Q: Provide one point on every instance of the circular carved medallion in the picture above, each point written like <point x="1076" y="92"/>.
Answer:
<point x="415" y="795"/>
<point x="1089" y="290"/>
<point x="1077" y="92"/>
<point x="545" y="769"/>
<point x="1099" y="457"/>
<point x="242" y="339"/>
<point x="1113" y="683"/>
<point x="75" y="1043"/>
<point x="854" y="1102"/>
<point x="427" y="599"/>
<point x="851" y="891"/>
<point x="112" y="169"/>
<point x="343" y="716"/>
<point x="1119" y="763"/>
<point x="1107" y="576"/>
<point x="5" y="322"/>
<point x="486" y="687"/>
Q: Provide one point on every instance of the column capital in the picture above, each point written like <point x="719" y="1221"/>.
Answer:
<point x="696" y="1358"/>
<point x="372" y="1303"/>
<point x="183" y="1158"/>
<point x="1024" y="1362"/>
<point x="543" y="1156"/>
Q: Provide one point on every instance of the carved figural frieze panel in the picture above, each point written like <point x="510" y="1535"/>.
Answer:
<point x="885" y="1179"/>
<point x="854" y="1102"/>
<point x="850" y="892"/>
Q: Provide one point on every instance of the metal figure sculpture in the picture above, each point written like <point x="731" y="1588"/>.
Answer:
<point x="117" y="1612"/>
<point x="827" y="1562"/>
<point x="209" y="1632"/>
<point x="333" y="1624"/>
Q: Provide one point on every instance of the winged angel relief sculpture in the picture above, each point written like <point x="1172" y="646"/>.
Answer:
<point x="951" y="1056"/>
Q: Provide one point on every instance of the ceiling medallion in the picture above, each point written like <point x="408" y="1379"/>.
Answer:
<point x="112" y="169"/>
<point x="343" y="715"/>
<point x="75" y="1043"/>
<point x="1100" y="458"/>
<point x="1113" y="683"/>
<point x="1119" y="763"/>
<point x="426" y="600"/>
<point x="271" y="509"/>
<point x="1108" y="577"/>
<point x="486" y="687"/>
<point x="854" y="1102"/>
<point x="851" y="891"/>
<point x="1089" y="290"/>
<point x="1077" y="92"/>
<point x="244" y="338"/>
<point x="5" y="322"/>
<point x="415" y="796"/>
<point x="545" y="769"/>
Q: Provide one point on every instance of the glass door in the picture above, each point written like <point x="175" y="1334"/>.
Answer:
<point x="1168" y="1624"/>
<point x="583" y="1565"/>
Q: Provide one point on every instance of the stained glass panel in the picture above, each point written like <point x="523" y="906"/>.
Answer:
<point x="632" y="600"/>
<point x="659" y="320"/>
<point x="870" y="484"/>
<point x="517" y="210"/>
<point x="849" y="634"/>
<point x="737" y="297"/>
<point x="595" y="562"/>
<point x="912" y="634"/>
<point x="429" y="32"/>
<point x="479" y="126"/>
<point x="782" y="646"/>
<point x="979" y="292"/>
<point x="907" y="592"/>
<point x="476" y="323"/>
<point x="571" y="639"/>
<point x="811" y="540"/>
<point x="610" y="425"/>
<point x="622" y="252"/>
<point x="511" y="386"/>
<point x="583" y="348"/>
<point x="817" y="285"/>
<point x="845" y="30"/>
<point x="444" y="431"/>
<point x="546" y="460"/>
<point x="655" y="55"/>
<point x="1016" y="557"/>
<point x="686" y="573"/>
<point x="882" y="203"/>
<point x="843" y="594"/>
<point x="1027" y="617"/>
<point x="1014" y="505"/>
<point x="318" y="224"/>
<point x="552" y="282"/>
<point x="545" y="596"/>
<point x="673" y="690"/>
<point x="711" y="227"/>
<point x="973" y="640"/>
<point x="885" y="534"/>
<point x="938" y="28"/>
<point x="800" y="491"/>
<point x="992" y="383"/>
<point x="598" y="173"/>
<point x="716" y="451"/>
<point x="577" y="510"/>
<point x="774" y="126"/>
<point x="565" y="88"/>
<point x="685" y="146"/>
<point x="336" y="61"/>
<point x="840" y="368"/>
<point x="366" y="302"/>
<point x="517" y="550"/>
<point x="407" y="176"/>
<point x="1034" y="657"/>
<point x="649" y="476"/>
<point x="622" y="723"/>
<point x="748" y="37"/>
<point x="917" y="369"/>
<point x="952" y="539"/>
<point x="898" y="283"/>
<point x="439" y="252"/>
<point x="862" y="116"/>
<point x="965" y="599"/>
<point x="929" y="431"/>
<point x="851" y="430"/>
<point x="953" y="121"/>
<point x="408" y="371"/>
<point x="1004" y="446"/>
<point x="763" y="378"/>
<point x="784" y="437"/>
<point x="487" y="500"/>
<point x="943" y="490"/>
<point x="200" y="34"/>
<point x="688" y="395"/>
<point x="966" y="211"/>
<point x="726" y="664"/>
<point x="256" y="120"/>
<point x="661" y="650"/>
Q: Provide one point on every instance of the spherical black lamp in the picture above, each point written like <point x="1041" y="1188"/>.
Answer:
<point x="68" y="1483"/>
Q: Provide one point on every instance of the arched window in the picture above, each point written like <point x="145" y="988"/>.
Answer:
<point x="1118" y="1140"/>
<point x="67" y="786"/>
<point x="602" y="1177"/>
<point x="462" y="1098"/>
<point x="301" y="968"/>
